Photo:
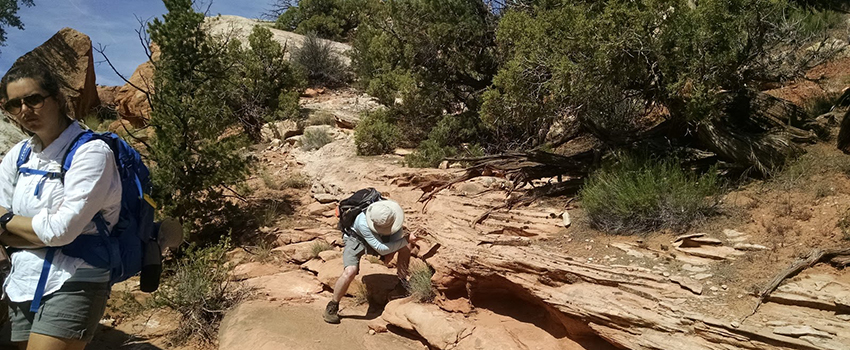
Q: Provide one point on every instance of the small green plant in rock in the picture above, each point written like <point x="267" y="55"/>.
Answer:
<point x="314" y="139"/>
<point x="319" y="246"/>
<point x="420" y="287"/>
<point x="198" y="288"/>
<point x="639" y="196"/>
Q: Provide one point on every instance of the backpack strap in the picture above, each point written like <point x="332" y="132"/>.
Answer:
<point x="42" y="280"/>
<point x="23" y="157"/>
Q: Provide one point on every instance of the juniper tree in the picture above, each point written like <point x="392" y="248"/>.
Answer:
<point x="195" y="149"/>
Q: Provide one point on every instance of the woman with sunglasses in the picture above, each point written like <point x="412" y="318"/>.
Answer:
<point x="54" y="303"/>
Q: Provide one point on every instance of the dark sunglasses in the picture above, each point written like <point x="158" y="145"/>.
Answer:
<point x="32" y="101"/>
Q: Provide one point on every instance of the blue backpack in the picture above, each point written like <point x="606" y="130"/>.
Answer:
<point x="132" y="244"/>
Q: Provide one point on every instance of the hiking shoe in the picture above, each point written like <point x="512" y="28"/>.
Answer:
<point x="331" y="314"/>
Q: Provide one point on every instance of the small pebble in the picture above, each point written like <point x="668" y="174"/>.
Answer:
<point x="371" y="332"/>
<point x="736" y="324"/>
<point x="725" y="287"/>
<point x="666" y="274"/>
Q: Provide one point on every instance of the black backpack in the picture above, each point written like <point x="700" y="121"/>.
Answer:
<point x="352" y="206"/>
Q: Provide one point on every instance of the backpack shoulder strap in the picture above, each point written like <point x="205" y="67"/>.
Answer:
<point x="81" y="139"/>
<point x="24" y="154"/>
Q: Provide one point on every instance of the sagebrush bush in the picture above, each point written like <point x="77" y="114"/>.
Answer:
<point x="420" y="287"/>
<point x="297" y="180"/>
<point x="314" y="139"/>
<point x="639" y="196"/>
<point x="198" y="287"/>
<point x="320" y="62"/>
<point x="376" y="133"/>
<point x="321" y="118"/>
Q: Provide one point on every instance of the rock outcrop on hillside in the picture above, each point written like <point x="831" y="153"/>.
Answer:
<point x="69" y="55"/>
<point x="235" y="27"/>
<point x="10" y="134"/>
<point x="133" y="105"/>
<point x="637" y="297"/>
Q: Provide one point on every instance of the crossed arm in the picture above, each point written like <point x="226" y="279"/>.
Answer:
<point x="19" y="233"/>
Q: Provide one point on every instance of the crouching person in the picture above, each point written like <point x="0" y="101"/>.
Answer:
<point x="377" y="230"/>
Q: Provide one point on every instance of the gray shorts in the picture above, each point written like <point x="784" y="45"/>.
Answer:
<point x="72" y="312"/>
<point x="353" y="251"/>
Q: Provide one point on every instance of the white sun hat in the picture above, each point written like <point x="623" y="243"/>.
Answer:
<point x="385" y="217"/>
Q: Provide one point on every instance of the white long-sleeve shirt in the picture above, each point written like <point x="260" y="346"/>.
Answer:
<point x="63" y="211"/>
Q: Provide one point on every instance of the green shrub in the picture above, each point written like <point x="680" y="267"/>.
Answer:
<point x="420" y="287"/>
<point x="314" y="139"/>
<point x="425" y="59"/>
<point x="376" y="133"/>
<point x="318" y="246"/>
<point x="264" y="85"/>
<point x="321" y="118"/>
<point x="448" y="139"/>
<point x="297" y="180"/>
<point x="320" y="62"/>
<point x="198" y="288"/>
<point x="429" y="154"/>
<point x="557" y="55"/>
<point x="329" y="19"/>
<point x="636" y="196"/>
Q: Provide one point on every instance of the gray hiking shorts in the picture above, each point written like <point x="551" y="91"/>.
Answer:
<point x="353" y="251"/>
<point x="72" y="312"/>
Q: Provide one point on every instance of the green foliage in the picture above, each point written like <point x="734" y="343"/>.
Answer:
<point x="265" y="85"/>
<point x="198" y="288"/>
<point x="376" y="133"/>
<point x="329" y="19"/>
<point x="321" y="118"/>
<point x="611" y="63"/>
<point x="811" y="20"/>
<point x="425" y="58"/>
<point x="420" y="287"/>
<point x="320" y="62"/>
<point x="9" y="16"/>
<point x="314" y="139"/>
<point x="636" y="196"/>
<point x="429" y="154"/>
<point x="318" y="246"/>
<point x="447" y="139"/>
<point x="196" y="154"/>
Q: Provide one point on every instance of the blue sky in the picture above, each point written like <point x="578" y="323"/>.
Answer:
<point x="111" y="23"/>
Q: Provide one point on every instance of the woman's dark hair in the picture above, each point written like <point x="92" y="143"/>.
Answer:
<point x="41" y="75"/>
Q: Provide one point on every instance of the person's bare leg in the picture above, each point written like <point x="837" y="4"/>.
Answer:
<point x="344" y="281"/>
<point x="46" y="342"/>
